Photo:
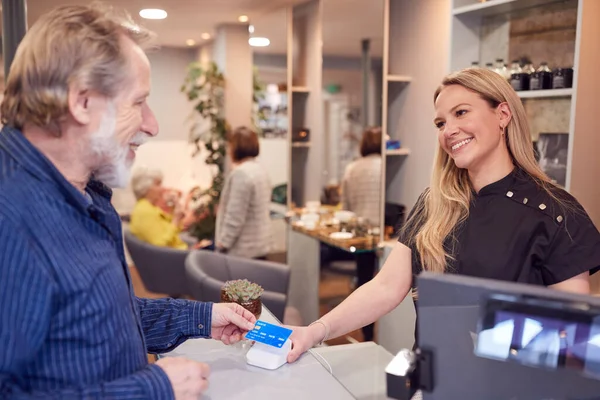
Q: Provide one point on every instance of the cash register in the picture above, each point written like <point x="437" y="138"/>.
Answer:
<point x="486" y="339"/>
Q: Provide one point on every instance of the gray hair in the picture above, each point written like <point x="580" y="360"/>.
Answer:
<point x="69" y="44"/>
<point x="143" y="179"/>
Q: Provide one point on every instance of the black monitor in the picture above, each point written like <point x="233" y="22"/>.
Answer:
<point x="490" y="340"/>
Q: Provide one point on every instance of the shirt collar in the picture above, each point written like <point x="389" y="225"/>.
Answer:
<point x="501" y="186"/>
<point x="27" y="155"/>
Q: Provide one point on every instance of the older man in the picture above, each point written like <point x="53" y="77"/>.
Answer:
<point x="75" y="112"/>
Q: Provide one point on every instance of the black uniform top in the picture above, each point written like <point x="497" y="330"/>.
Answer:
<point x="517" y="232"/>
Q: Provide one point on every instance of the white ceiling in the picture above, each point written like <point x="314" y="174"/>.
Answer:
<point x="345" y="22"/>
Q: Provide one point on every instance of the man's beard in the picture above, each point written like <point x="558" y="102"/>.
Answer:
<point x="115" y="168"/>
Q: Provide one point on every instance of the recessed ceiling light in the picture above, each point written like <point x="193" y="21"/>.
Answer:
<point x="251" y="28"/>
<point x="243" y="18"/>
<point x="190" y="42"/>
<point x="259" y="42"/>
<point x="205" y="36"/>
<point x="153" y="13"/>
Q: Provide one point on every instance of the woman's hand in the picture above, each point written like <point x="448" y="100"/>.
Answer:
<point x="304" y="338"/>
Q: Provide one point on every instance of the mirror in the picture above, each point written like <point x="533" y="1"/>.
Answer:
<point x="270" y="112"/>
<point x="352" y="79"/>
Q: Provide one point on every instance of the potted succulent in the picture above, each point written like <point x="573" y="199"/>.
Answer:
<point x="245" y="293"/>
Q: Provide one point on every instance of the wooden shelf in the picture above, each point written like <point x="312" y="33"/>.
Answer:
<point x="300" y="144"/>
<point x="300" y="89"/>
<point x="397" y="152"/>
<point x="537" y="94"/>
<point x="399" y="78"/>
<point x="494" y="7"/>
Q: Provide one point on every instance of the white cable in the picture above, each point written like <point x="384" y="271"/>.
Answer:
<point x="322" y="358"/>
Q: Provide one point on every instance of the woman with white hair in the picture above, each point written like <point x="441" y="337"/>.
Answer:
<point x="149" y="221"/>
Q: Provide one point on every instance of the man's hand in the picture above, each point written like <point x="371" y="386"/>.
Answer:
<point x="230" y="322"/>
<point x="188" y="378"/>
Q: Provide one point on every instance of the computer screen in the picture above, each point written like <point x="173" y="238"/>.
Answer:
<point x="547" y="334"/>
<point x="501" y="340"/>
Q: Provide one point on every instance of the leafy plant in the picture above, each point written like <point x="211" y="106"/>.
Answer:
<point x="258" y="94"/>
<point x="205" y="86"/>
<point x="242" y="290"/>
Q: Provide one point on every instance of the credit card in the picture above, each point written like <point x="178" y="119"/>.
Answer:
<point x="269" y="334"/>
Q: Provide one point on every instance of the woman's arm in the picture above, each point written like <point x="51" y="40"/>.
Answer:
<point x="577" y="284"/>
<point x="364" y="306"/>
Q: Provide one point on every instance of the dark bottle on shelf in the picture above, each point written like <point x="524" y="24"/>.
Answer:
<point x="517" y="77"/>
<point x="528" y="70"/>
<point x="542" y="78"/>
<point x="562" y="78"/>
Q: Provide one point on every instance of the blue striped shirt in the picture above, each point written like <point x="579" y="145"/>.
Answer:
<point x="70" y="325"/>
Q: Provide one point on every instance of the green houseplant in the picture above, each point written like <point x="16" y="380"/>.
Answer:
<point x="245" y="293"/>
<point x="258" y="94"/>
<point x="204" y="85"/>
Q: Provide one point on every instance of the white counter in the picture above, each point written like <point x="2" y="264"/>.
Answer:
<point x="357" y="372"/>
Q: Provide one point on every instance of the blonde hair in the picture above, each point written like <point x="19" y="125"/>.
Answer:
<point x="69" y="44"/>
<point x="446" y="203"/>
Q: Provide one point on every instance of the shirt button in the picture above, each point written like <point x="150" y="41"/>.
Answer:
<point x="200" y="326"/>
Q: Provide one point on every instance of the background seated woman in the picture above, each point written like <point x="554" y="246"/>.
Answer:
<point x="151" y="220"/>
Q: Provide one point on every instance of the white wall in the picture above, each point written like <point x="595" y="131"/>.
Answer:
<point x="233" y="55"/>
<point x="171" y="107"/>
<point x="273" y="157"/>
<point x="169" y="151"/>
<point x="419" y="48"/>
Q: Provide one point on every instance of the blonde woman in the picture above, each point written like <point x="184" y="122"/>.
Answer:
<point x="490" y="212"/>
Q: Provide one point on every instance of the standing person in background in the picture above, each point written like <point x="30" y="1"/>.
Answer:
<point x="361" y="194"/>
<point x="243" y="226"/>
<point x="361" y="185"/>
<point x="75" y="111"/>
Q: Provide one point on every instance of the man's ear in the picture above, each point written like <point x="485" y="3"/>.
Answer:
<point x="79" y="104"/>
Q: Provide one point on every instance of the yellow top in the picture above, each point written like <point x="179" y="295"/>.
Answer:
<point x="150" y="224"/>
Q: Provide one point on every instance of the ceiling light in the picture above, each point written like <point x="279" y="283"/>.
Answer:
<point x="251" y="28"/>
<point x="243" y="18"/>
<point x="259" y="42"/>
<point x="153" y="13"/>
<point x="205" y="36"/>
<point x="190" y="42"/>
